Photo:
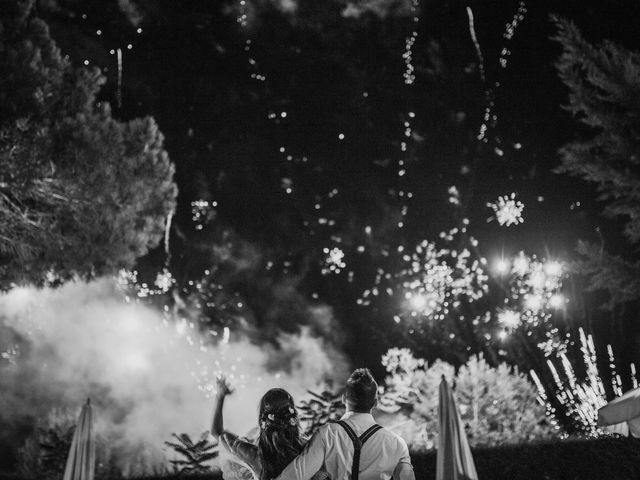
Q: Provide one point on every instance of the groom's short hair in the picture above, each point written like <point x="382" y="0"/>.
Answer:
<point x="361" y="393"/>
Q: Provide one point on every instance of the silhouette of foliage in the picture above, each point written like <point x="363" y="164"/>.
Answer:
<point x="320" y="409"/>
<point x="195" y="453"/>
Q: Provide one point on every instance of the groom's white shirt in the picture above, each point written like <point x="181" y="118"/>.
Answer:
<point x="383" y="456"/>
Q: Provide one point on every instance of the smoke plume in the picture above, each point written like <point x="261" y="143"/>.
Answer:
<point x="147" y="376"/>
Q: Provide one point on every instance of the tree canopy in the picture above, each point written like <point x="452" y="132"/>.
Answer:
<point x="604" y="88"/>
<point x="81" y="193"/>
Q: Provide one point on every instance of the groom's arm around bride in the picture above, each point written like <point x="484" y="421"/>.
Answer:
<point x="355" y="448"/>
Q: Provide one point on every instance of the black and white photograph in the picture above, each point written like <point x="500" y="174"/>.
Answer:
<point x="319" y="240"/>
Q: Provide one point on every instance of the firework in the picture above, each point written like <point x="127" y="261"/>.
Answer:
<point x="407" y="56"/>
<point x="533" y="294"/>
<point x="472" y="32"/>
<point x="202" y="212"/>
<point x="580" y="398"/>
<point x="509" y="318"/>
<point x="334" y="260"/>
<point x="508" y="210"/>
<point x="164" y="281"/>
<point x="433" y="281"/>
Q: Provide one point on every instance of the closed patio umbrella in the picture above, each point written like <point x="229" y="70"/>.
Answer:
<point x="622" y="414"/>
<point x="82" y="454"/>
<point x="454" y="460"/>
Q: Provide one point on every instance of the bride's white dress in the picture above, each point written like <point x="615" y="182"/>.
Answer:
<point x="231" y="462"/>
<point x="239" y="458"/>
<point x="235" y="469"/>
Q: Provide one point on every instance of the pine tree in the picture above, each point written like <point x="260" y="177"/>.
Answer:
<point x="604" y="95"/>
<point x="81" y="193"/>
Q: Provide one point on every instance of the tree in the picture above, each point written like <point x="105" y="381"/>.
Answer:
<point x="44" y="453"/>
<point x="333" y="128"/>
<point x="604" y="88"/>
<point x="81" y="193"/>
<point x="497" y="404"/>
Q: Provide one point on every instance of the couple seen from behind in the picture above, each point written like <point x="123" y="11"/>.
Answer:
<point x="354" y="448"/>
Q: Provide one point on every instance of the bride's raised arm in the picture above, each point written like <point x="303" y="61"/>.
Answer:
<point x="217" y="425"/>
<point x="244" y="450"/>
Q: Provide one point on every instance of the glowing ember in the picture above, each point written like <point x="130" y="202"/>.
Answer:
<point x="508" y="210"/>
<point x="509" y="318"/>
<point x="433" y="281"/>
<point x="334" y="260"/>
<point x="164" y="281"/>
<point x="502" y="266"/>
<point x="557" y="301"/>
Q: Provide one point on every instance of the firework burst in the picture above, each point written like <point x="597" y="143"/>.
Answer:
<point x="334" y="260"/>
<point x="580" y="398"/>
<point x="433" y="281"/>
<point x="507" y="210"/>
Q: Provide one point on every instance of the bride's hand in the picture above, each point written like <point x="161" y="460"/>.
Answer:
<point x="224" y="388"/>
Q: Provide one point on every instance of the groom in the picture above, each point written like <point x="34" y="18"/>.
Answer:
<point x="355" y="448"/>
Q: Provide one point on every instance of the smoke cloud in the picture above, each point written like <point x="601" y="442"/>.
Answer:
<point x="146" y="375"/>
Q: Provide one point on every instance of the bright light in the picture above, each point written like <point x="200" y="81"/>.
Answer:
<point x="508" y="210"/>
<point x="335" y="256"/>
<point x="164" y="280"/>
<point x="553" y="269"/>
<point x="418" y="302"/>
<point x="334" y="261"/>
<point x="509" y="318"/>
<point x="537" y="280"/>
<point x="533" y="302"/>
<point x="521" y="264"/>
<point x="502" y="266"/>
<point x="502" y="335"/>
<point x="557" y="301"/>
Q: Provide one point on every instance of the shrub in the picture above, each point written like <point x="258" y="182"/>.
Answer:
<point x="320" y="408"/>
<point x="44" y="453"/>
<point x="195" y="454"/>
<point x="599" y="459"/>
<point x="498" y="405"/>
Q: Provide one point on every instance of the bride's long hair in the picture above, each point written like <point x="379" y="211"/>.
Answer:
<point x="280" y="438"/>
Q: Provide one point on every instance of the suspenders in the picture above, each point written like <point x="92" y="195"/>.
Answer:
<point x="357" y="444"/>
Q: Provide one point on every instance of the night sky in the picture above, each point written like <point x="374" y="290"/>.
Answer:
<point x="295" y="118"/>
<point x="361" y="182"/>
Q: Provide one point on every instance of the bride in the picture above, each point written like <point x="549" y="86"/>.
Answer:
<point x="279" y="440"/>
